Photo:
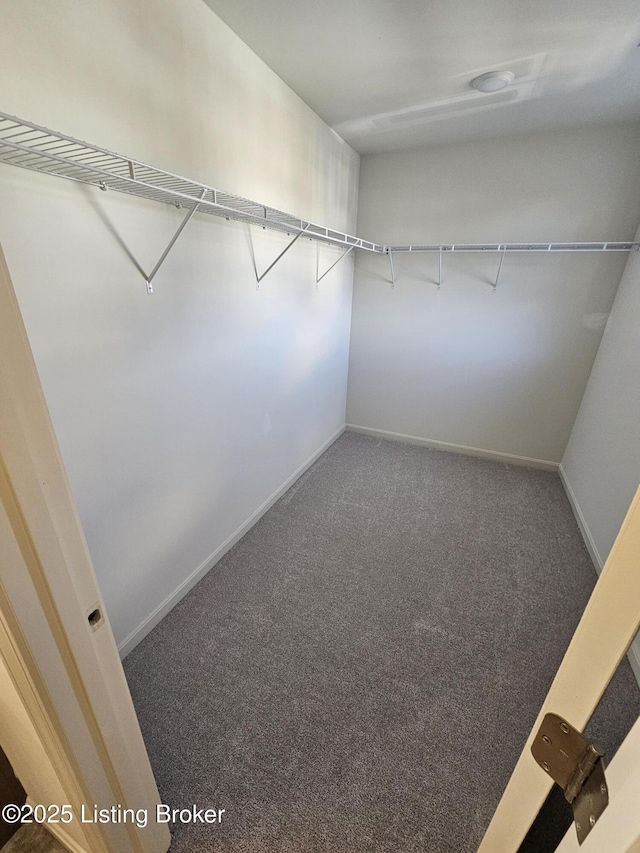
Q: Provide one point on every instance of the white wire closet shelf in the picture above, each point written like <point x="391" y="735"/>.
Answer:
<point x="40" y="149"/>
<point x="601" y="246"/>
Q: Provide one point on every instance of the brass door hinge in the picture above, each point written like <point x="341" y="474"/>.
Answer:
<point x="577" y="765"/>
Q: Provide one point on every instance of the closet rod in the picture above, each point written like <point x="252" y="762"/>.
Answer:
<point x="39" y="149"/>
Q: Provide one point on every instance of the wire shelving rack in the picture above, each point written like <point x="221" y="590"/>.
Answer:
<point x="40" y="149"/>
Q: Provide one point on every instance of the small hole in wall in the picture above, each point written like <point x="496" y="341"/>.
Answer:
<point x="94" y="618"/>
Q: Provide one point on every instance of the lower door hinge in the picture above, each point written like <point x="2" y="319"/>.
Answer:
<point x="577" y="765"/>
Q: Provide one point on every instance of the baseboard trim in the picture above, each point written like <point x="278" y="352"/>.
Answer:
<point x="64" y="838"/>
<point x="59" y="834"/>
<point x="589" y="541"/>
<point x="634" y="659"/>
<point x="633" y="654"/>
<point x="493" y="455"/>
<point x="139" y="633"/>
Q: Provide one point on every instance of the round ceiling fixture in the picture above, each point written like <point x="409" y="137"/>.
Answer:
<point x="492" y="81"/>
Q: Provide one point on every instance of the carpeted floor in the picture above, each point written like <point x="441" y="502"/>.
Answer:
<point x="33" y="838"/>
<point x="360" y="672"/>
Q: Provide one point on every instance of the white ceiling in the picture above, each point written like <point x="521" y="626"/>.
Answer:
<point x="389" y="74"/>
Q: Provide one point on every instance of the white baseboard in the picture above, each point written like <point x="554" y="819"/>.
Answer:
<point x="589" y="541"/>
<point x="634" y="649"/>
<point x="139" y="633"/>
<point x="64" y="838"/>
<point x="634" y="659"/>
<point x="508" y="458"/>
<point x="60" y="834"/>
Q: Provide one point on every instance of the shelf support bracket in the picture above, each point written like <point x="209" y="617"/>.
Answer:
<point x="393" y="272"/>
<point x="495" y="284"/>
<point x="163" y="256"/>
<point x="440" y="268"/>
<point x="283" y="252"/>
<point x="343" y="255"/>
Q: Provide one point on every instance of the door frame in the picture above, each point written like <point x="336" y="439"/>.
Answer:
<point x="606" y="630"/>
<point x="66" y="669"/>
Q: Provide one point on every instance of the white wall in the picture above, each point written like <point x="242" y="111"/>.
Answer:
<point x="601" y="465"/>
<point x="503" y="372"/>
<point x="178" y="414"/>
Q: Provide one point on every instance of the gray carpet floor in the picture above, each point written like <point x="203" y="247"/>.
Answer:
<point x="360" y="672"/>
<point x="33" y="839"/>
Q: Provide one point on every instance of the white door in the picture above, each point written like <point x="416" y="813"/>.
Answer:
<point x="56" y="644"/>
<point x="608" y="625"/>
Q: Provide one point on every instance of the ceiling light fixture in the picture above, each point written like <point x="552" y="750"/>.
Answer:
<point x="492" y="81"/>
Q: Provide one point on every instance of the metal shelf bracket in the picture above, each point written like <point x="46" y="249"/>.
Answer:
<point x="495" y="284"/>
<point x="393" y="272"/>
<point x="283" y="252"/>
<point x="172" y="242"/>
<point x="343" y="255"/>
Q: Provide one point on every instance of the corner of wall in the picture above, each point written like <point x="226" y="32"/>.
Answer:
<point x="589" y="541"/>
<point x="633" y="654"/>
<point x="141" y="631"/>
